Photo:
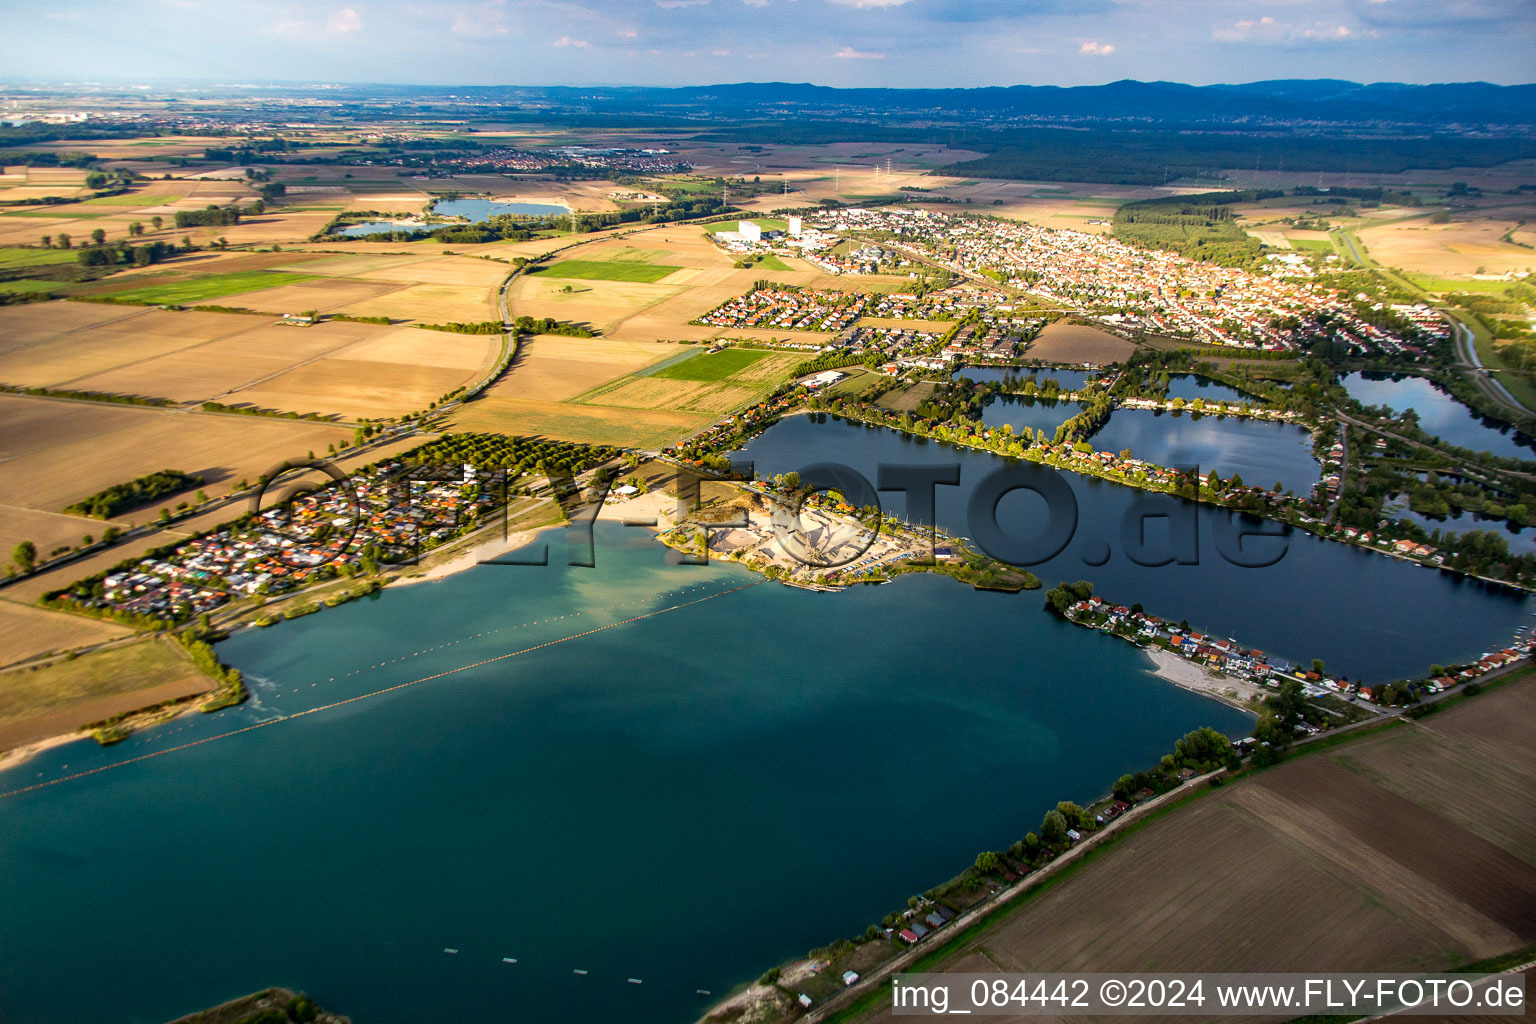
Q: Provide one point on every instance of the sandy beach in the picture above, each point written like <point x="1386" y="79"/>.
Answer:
<point x="656" y="505"/>
<point x="1192" y="677"/>
<point x="16" y="755"/>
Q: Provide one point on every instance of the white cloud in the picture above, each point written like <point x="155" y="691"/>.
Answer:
<point x="1094" y="48"/>
<point x="670" y="4"/>
<point x="1268" y="31"/>
<point x="720" y="53"/>
<point x="870" y="3"/>
<point x="755" y="3"/>
<point x="849" y="53"/>
<point x="628" y="33"/>
<point x="479" y="22"/>
<point x="568" y="41"/>
<point x="344" y="20"/>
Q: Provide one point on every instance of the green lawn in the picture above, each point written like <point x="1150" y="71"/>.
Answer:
<point x="596" y="270"/>
<point x="129" y="199"/>
<point x="211" y="286"/>
<point x="35" y="257"/>
<point x="712" y="367"/>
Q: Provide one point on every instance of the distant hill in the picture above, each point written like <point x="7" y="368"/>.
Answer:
<point x="1320" y="99"/>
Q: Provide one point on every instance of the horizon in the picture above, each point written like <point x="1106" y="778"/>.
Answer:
<point x="132" y="82"/>
<point x="836" y="43"/>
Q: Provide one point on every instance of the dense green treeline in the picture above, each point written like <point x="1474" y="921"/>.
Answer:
<point x="1199" y="227"/>
<point x="146" y="489"/>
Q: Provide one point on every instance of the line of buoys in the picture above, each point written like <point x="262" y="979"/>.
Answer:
<point x="374" y="693"/>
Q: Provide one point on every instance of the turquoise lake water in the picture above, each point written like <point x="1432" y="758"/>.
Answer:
<point x="685" y="799"/>
<point x="723" y="779"/>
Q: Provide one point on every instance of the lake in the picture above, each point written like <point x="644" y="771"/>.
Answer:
<point x="1439" y="413"/>
<point x="1392" y="620"/>
<point x="686" y="798"/>
<point x="1033" y="413"/>
<point x="1190" y="386"/>
<point x="1260" y="451"/>
<point x="1521" y="539"/>
<point x="376" y="227"/>
<point x="478" y="210"/>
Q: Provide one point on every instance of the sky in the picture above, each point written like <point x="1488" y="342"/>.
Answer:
<point x="927" y="43"/>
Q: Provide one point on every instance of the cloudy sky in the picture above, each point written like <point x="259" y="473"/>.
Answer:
<point x="830" y="42"/>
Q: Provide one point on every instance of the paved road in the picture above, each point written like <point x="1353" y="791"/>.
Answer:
<point x="1466" y="351"/>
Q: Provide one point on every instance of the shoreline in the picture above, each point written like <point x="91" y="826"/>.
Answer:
<point x="1186" y="675"/>
<point x="18" y="756"/>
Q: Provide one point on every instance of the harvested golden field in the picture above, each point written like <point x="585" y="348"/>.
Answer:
<point x="24" y="325"/>
<point x="712" y="399"/>
<point x="28" y="590"/>
<point x="427" y="303"/>
<point x="532" y="398"/>
<point x="1460" y="248"/>
<point x="602" y="304"/>
<point x="39" y="703"/>
<point x="1078" y="343"/>
<point x="57" y="452"/>
<point x="591" y="424"/>
<point x="553" y="368"/>
<point x="662" y="409"/>
<point x="49" y="531"/>
<point x="403" y="371"/>
<point x="26" y="632"/>
<point x="1350" y="864"/>
<point x="333" y="367"/>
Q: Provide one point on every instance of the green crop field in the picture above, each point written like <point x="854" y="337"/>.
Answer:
<point x="1321" y="244"/>
<point x="712" y="367"/>
<point x="211" y="286"/>
<point x="130" y="200"/>
<point x="1451" y="284"/>
<point x="595" y="270"/>
<point x="772" y="262"/>
<point x="12" y="258"/>
<point x="28" y="287"/>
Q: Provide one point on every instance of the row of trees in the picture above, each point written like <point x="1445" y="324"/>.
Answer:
<point x="144" y="490"/>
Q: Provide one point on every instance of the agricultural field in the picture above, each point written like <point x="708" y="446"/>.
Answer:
<point x="1078" y="343"/>
<point x="596" y="390"/>
<point x="332" y="368"/>
<point x="715" y="366"/>
<point x="1472" y="242"/>
<point x="39" y="703"/>
<point x="608" y="270"/>
<point x="27" y="631"/>
<point x="1329" y="851"/>
<point x="57" y="452"/>
<point x="190" y="291"/>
